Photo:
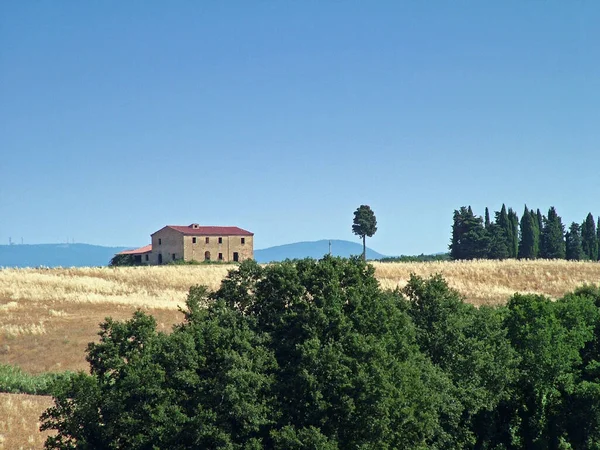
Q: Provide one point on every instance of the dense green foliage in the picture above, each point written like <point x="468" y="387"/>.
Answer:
<point x="553" y="237"/>
<point x="589" y="238"/>
<point x="573" y="247"/>
<point x="14" y="381"/>
<point x="314" y="355"/>
<point x="122" y="260"/>
<point x="364" y="224"/>
<point x="470" y="240"/>
<point x="533" y="236"/>
<point x="417" y="258"/>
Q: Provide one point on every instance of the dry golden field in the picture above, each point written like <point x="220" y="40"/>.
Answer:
<point x="20" y="421"/>
<point x="47" y="316"/>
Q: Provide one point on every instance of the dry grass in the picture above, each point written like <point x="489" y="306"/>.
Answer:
<point x="47" y="316"/>
<point x="19" y="421"/>
<point x="488" y="282"/>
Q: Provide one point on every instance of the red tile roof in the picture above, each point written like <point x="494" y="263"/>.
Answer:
<point x="210" y="231"/>
<point x="137" y="251"/>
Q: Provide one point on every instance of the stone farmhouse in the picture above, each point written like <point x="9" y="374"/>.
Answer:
<point x="196" y="243"/>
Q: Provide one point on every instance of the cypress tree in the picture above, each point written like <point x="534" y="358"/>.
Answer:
<point x="527" y="242"/>
<point x="513" y="220"/>
<point x="589" y="239"/>
<point x="540" y="220"/>
<point x="598" y="235"/>
<point x="469" y="238"/>
<point x="553" y="237"/>
<point x="487" y="218"/>
<point x="500" y="239"/>
<point x="574" y="250"/>
<point x="536" y="234"/>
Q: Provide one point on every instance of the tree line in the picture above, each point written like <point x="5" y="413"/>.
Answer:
<point x="315" y="355"/>
<point x="532" y="236"/>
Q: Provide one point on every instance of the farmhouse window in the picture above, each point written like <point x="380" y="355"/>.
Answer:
<point x="159" y="241"/>
<point x="173" y="256"/>
<point x="243" y="240"/>
<point x="220" y="240"/>
<point x="220" y="256"/>
<point x="193" y="240"/>
<point x="147" y="258"/>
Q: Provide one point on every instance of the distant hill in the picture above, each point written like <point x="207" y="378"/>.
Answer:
<point x="56" y="255"/>
<point x="86" y="255"/>
<point x="315" y="249"/>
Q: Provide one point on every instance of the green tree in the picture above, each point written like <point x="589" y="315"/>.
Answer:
<point x="471" y="346"/>
<point x="487" y="222"/>
<point x="513" y="220"/>
<point x="598" y="232"/>
<point x="122" y="260"/>
<point x="498" y="247"/>
<point x="550" y="338"/>
<point x="300" y="355"/>
<point x="574" y="249"/>
<point x="553" y="237"/>
<point x="501" y="236"/>
<point x="536" y="233"/>
<point x="469" y="237"/>
<point x="589" y="238"/>
<point x="365" y="224"/>
<point x="540" y="221"/>
<point x="529" y="239"/>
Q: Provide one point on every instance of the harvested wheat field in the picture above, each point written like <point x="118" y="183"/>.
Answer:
<point x="47" y="316"/>
<point x="487" y="282"/>
<point x="20" y="421"/>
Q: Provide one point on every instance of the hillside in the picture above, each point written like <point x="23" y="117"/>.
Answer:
<point x="85" y="255"/>
<point x="56" y="255"/>
<point x="313" y="249"/>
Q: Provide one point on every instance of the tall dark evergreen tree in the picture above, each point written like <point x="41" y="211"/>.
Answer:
<point x="574" y="250"/>
<point x="537" y="232"/>
<point x="589" y="238"/>
<point x="500" y="237"/>
<point x="469" y="238"/>
<point x="487" y="218"/>
<point x="498" y="243"/>
<point x="540" y="220"/>
<point x="513" y="233"/>
<point x="553" y="237"/>
<point x="598" y="234"/>
<point x="529" y="242"/>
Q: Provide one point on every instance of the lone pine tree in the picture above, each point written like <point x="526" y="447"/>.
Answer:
<point x="365" y="224"/>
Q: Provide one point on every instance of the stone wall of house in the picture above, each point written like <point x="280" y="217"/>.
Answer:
<point x="168" y="243"/>
<point x="218" y="248"/>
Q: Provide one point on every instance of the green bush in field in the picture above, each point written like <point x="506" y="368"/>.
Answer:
<point x="14" y="381"/>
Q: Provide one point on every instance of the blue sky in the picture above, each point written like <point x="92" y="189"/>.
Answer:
<point x="282" y="117"/>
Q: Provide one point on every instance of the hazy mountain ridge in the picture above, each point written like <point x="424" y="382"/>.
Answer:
<point x="85" y="255"/>
<point x="313" y="249"/>
<point x="56" y="255"/>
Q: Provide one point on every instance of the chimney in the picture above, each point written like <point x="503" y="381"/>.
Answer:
<point x="195" y="226"/>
